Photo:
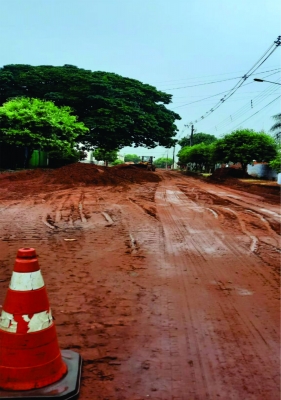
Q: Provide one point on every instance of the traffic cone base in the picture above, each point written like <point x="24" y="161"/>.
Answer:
<point x="66" y="388"/>
<point x="25" y="368"/>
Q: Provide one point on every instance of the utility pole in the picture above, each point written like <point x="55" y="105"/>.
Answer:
<point x="167" y="160"/>
<point x="191" y="135"/>
<point x="174" y="156"/>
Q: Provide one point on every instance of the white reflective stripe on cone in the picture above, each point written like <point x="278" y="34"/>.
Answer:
<point x="23" y="281"/>
<point x="7" y="322"/>
<point x="37" y="322"/>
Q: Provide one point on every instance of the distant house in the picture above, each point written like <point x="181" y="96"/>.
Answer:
<point x="256" y="169"/>
<point x="90" y="159"/>
<point x="261" y="170"/>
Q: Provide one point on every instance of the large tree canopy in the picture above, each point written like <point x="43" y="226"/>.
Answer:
<point x="162" y="162"/>
<point x="106" y="156"/>
<point x="197" y="138"/>
<point x="132" y="157"/>
<point x="118" y="111"/>
<point x="200" y="156"/>
<point x="244" y="146"/>
<point x="38" y="124"/>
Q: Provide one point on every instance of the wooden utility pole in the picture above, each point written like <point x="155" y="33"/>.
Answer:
<point x="191" y="135"/>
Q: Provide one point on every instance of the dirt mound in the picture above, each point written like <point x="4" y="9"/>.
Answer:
<point x="24" y="175"/>
<point x="84" y="173"/>
<point x="266" y="189"/>
<point x="95" y="174"/>
<point x="224" y="173"/>
<point x="270" y="191"/>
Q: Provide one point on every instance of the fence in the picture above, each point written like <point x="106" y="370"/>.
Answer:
<point x="16" y="157"/>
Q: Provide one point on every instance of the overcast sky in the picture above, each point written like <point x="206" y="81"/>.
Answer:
<point x="169" y="44"/>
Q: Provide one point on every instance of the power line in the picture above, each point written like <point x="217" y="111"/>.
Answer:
<point x="261" y="116"/>
<point x="206" y="76"/>
<point x="263" y="94"/>
<point x="268" y="104"/>
<point x="197" y="101"/>
<point x="246" y="108"/>
<point x="278" y="97"/>
<point x="205" y="98"/>
<point x="203" y="84"/>
<point x="231" y="92"/>
<point x="257" y="99"/>
<point x="210" y="83"/>
<point x="250" y="83"/>
<point x="242" y="96"/>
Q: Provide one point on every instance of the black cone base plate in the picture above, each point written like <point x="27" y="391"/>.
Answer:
<point x="66" y="388"/>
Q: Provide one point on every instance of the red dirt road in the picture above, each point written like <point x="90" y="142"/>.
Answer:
<point x="170" y="290"/>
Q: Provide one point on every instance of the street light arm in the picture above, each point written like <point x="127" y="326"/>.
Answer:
<point x="262" y="80"/>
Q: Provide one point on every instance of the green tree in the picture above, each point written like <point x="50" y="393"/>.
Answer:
<point x="117" y="162"/>
<point x="162" y="162"/>
<point x="276" y="128"/>
<point x="198" y="138"/>
<point x="38" y="124"/>
<point x="106" y="156"/>
<point x="58" y="158"/>
<point x="132" y="157"/>
<point x="276" y="162"/>
<point x="244" y="146"/>
<point x="199" y="157"/>
<point x="118" y="111"/>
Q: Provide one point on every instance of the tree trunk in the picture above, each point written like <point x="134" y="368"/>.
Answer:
<point x="244" y="168"/>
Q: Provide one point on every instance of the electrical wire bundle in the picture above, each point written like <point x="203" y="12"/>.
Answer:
<point x="251" y="71"/>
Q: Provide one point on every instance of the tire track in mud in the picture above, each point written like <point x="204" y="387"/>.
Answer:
<point x="268" y="253"/>
<point x="205" y="334"/>
<point x="253" y="238"/>
<point x="198" y="377"/>
<point x="249" y="227"/>
<point x="20" y="226"/>
<point x="179" y="235"/>
<point x="70" y="209"/>
<point x="108" y="322"/>
<point x="142" y="239"/>
<point x="74" y="211"/>
<point x="237" y="201"/>
<point x="162" y="356"/>
<point x="269" y="228"/>
<point x="23" y="222"/>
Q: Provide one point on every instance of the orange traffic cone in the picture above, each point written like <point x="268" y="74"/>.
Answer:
<point x="30" y="357"/>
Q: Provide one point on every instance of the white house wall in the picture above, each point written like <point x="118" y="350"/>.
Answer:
<point x="261" y="171"/>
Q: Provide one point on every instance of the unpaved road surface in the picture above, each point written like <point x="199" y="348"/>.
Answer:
<point x="170" y="290"/>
